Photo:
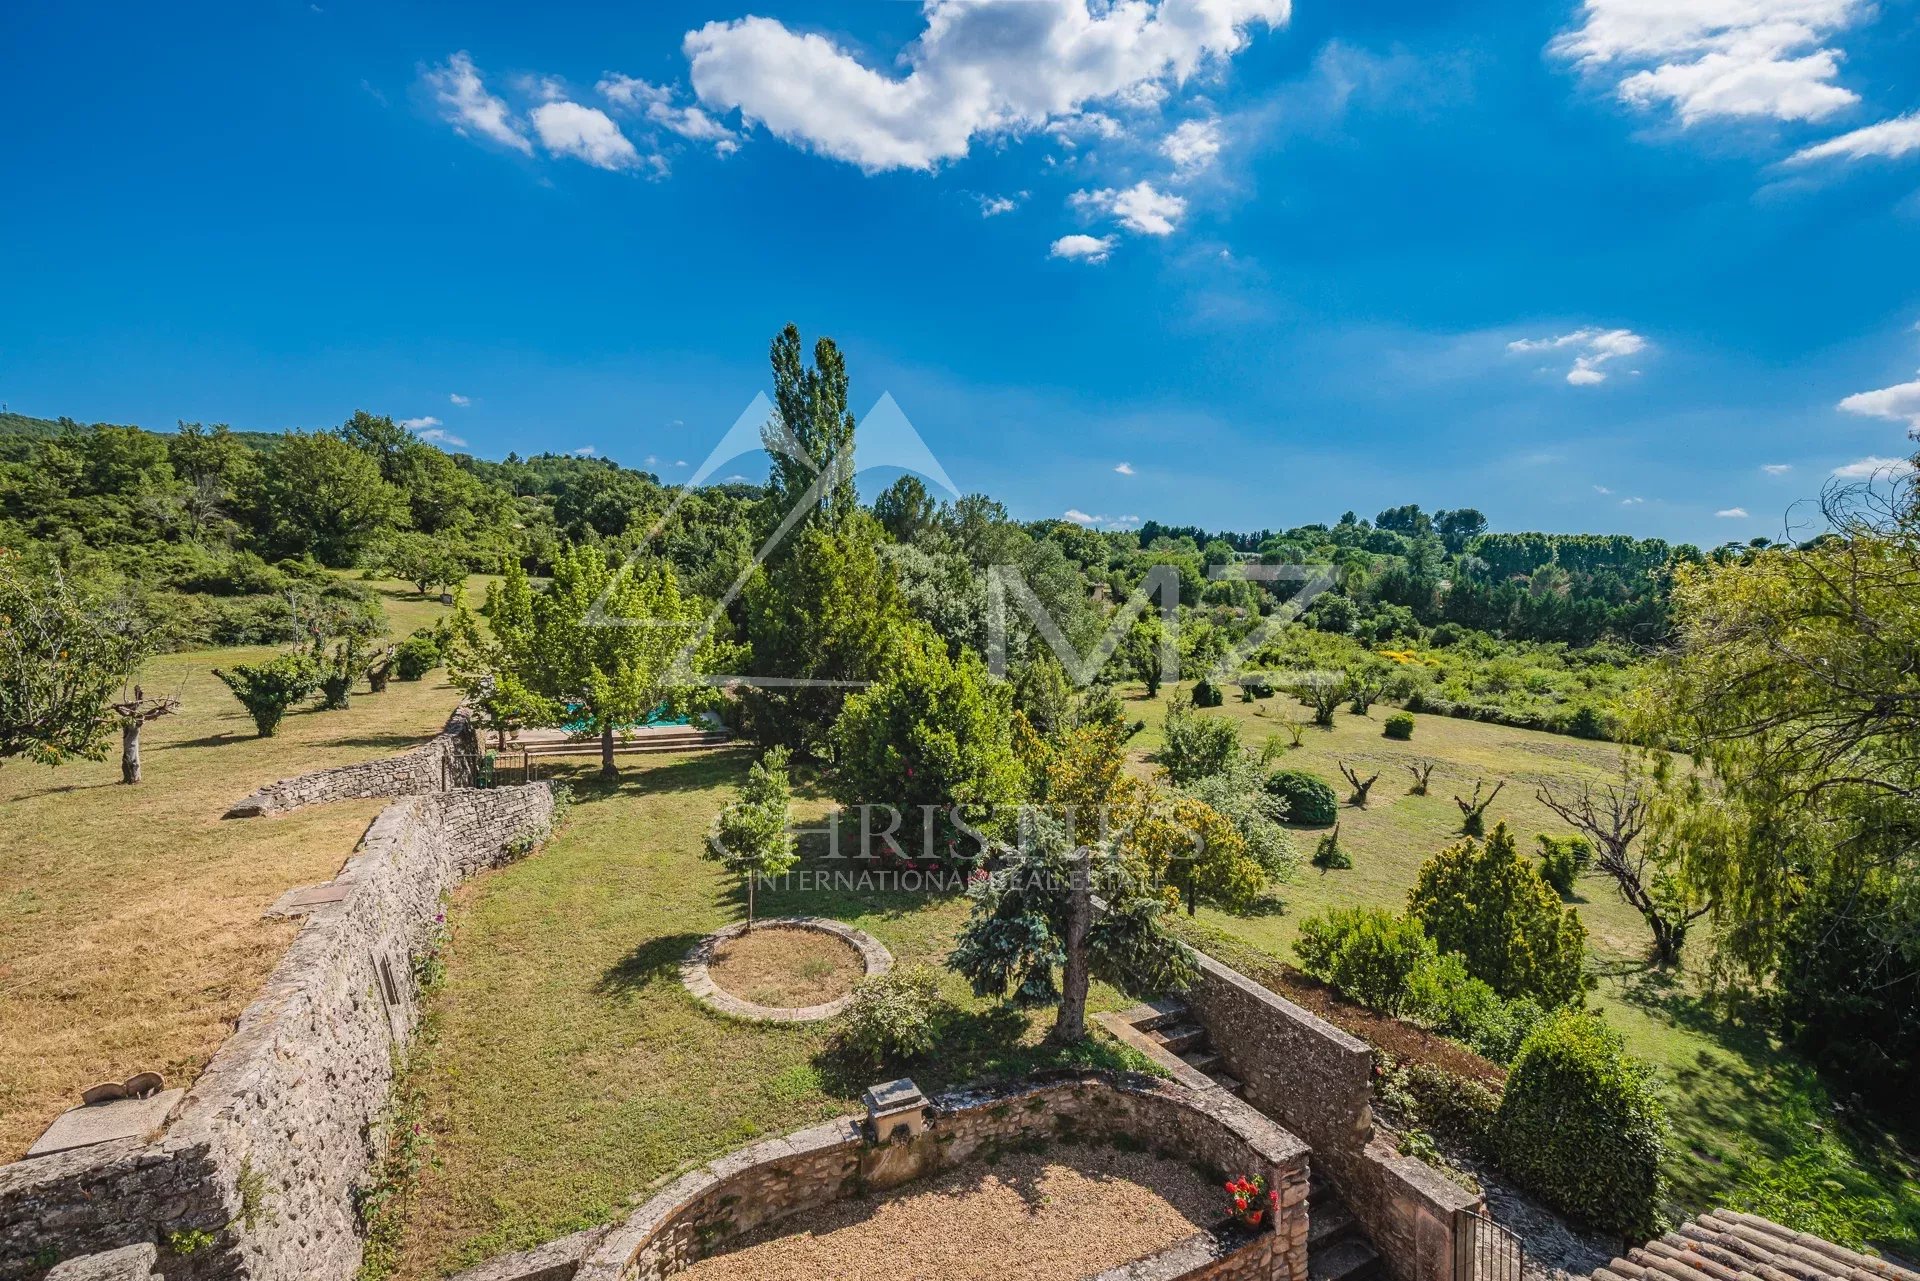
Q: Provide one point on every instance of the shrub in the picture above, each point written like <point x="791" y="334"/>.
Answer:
<point x="1586" y="723"/>
<point x="1197" y="747"/>
<point x="1454" y="1003"/>
<point x="414" y="657"/>
<point x="268" y="689"/>
<point x="1207" y="694"/>
<point x="1367" y="953"/>
<point x="892" y="1016"/>
<point x="1328" y="856"/>
<point x="1562" y="859"/>
<point x="1400" y="726"/>
<point x="1310" y="799"/>
<point x="1582" y="1127"/>
<point x="1482" y="900"/>
<point x="1453" y="1107"/>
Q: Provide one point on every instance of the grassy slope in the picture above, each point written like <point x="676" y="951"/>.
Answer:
<point x="567" y="1070"/>
<point x="130" y="927"/>
<point x="1752" y="1124"/>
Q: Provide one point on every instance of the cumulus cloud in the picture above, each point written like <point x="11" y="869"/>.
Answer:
<point x="1899" y="403"/>
<point x="1079" y="517"/>
<point x="585" y="133"/>
<point x="977" y="69"/>
<point x="428" y="428"/>
<point x="994" y="206"/>
<point x="1766" y="59"/>
<point x="1601" y="489"/>
<point x="420" y="424"/>
<point x="1141" y="207"/>
<point x="1874" y="468"/>
<point x="1776" y="469"/>
<point x="1125" y="469"/>
<point x="585" y="451"/>
<point x="1888" y="140"/>
<point x="457" y="399"/>
<point x="470" y="108"/>
<point x="1082" y="248"/>
<point x="655" y="103"/>
<point x="1731" y="513"/>
<point x="1592" y="348"/>
<point x="1632" y="502"/>
<point x="1193" y="147"/>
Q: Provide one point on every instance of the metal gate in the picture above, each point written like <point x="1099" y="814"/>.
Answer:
<point x="1483" y="1250"/>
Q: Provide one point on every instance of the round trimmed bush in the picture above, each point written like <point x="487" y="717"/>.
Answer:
<point x="1400" y="726"/>
<point x="891" y="1019"/>
<point x="1207" y="694"/>
<point x="414" y="657"/>
<point x="1310" y="799"/>
<point x="1581" y="1126"/>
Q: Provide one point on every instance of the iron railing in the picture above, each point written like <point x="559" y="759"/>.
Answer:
<point x="1483" y="1250"/>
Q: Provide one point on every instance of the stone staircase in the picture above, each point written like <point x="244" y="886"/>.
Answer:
<point x="1337" y="1246"/>
<point x="1167" y="1032"/>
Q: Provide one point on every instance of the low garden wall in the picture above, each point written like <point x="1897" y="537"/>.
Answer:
<point x="442" y="762"/>
<point x="1318" y="1081"/>
<point x="703" y="1212"/>
<point x="255" y="1176"/>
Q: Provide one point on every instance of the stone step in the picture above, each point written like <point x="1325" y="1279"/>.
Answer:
<point x="1326" y="1221"/>
<point x="1201" y="1061"/>
<point x="1231" y="1084"/>
<point x="1181" y="1037"/>
<point x="1150" y="1016"/>
<point x="1347" y="1258"/>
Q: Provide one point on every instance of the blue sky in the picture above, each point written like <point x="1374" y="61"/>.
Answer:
<point x="1603" y="266"/>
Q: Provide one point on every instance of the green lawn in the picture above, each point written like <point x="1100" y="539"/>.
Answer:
<point x="1753" y="1127"/>
<point x="565" y="1070"/>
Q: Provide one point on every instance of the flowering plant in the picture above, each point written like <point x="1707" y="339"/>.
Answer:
<point x="1249" y="1205"/>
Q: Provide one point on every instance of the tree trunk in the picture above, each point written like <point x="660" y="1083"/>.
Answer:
<point x="1668" y="939"/>
<point x="1070" y="1028"/>
<point x="750" y="880"/>
<point x="607" y="768"/>
<point x="130" y="752"/>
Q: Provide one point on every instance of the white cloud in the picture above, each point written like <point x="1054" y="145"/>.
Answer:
<point x="1888" y="140"/>
<point x="650" y="461"/>
<point x="1141" y="207"/>
<point x="585" y="133"/>
<point x="1874" y="468"/>
<point x="428" y="428"/>
<point x="977" y="69"/>
<point x="1082" y="248"/>
<point x="679" y="462"/>
<point x="655" y="102"/>
<point x="1601" y="489"/>
<point x="1770" y="59"/>
<point x="1193" y="147"/>
<point x="1900" y="403"/>
<point x="1732" y="513"/>
<point x="994" y="206"/>
<point x="1632" y="502"/>
<point x="1593" y="347"/>
<point x="1776" y="469"/>
<point x="466" y="104"/>
<point x="1079" y="517"/>
<point x="585" y="451"/>
<point x="1125" y="469"/>
<point x="457" y="399"/>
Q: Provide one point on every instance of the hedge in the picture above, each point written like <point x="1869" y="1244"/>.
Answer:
<point x="1310" y="799"/>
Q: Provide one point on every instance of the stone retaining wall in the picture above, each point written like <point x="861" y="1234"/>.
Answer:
<point x="445" y="761"/>
<point x="1318" y="1081"/>
<point x="703" y="1212"/>
<point x="273" y="1141"/>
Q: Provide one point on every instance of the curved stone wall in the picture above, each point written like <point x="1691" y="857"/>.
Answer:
<point x="701" y="1213"/>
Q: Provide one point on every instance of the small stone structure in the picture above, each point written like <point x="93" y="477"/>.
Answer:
<point x="1318" y="1082"/>
<point x="694" y="970"/>
<point x="267" y="1150"/>
<point x="443" y="762"/>
<point x="701" y="1213"/>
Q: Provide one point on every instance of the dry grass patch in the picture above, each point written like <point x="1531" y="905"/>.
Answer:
<point x="130" y="917"/>
<point x="784" y="968"/>
<point x="1071" y="1211"/>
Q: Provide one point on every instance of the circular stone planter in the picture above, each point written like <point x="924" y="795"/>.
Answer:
<point x="694" y="972"/>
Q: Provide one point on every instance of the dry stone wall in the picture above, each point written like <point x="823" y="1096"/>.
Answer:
<point x="705" y="1211"/>
<point x="1318" y="1082"/>
<point x="444" y="761"/>
<point x="270" y="1146"/>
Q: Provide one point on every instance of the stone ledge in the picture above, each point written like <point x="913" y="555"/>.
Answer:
<point x="699" y="982"/>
